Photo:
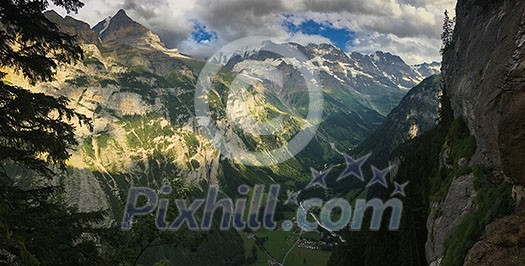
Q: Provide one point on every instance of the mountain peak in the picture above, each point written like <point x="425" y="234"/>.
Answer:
<point x="121" y="12"/>
<point x="387" y="56"/>
<point x="120" y="29"/>
<point x="116" y="22"/>
<point x="121" y="15"/>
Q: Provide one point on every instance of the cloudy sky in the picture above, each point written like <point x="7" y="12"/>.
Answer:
<point x="409" y="28"/>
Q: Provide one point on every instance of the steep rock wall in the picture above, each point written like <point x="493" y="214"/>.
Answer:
<point x="484" y="73"/>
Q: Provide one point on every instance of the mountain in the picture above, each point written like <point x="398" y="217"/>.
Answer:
<point x="354" y="84"/>
<point x="396" y="70"/>
<point x="378" y="81"/>
<point x="140" y="96"/>
<point x="120" y="29"/>
<point x="119" y="24"/>
<point x="384" y="67"/>
<point x="416" y="114"/>
<point x="427" y="69"/>
<point x="465" y="176"/>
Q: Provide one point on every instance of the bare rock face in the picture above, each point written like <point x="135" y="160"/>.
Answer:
<point x="503" y="244"/>
<point x="445" y="216"/>
<point x="484" y="73"/>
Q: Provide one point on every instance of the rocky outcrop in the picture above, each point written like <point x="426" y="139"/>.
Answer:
<point x="484" y="73"/>
<point x="484" y="76"/>
<point x="503" y="243"/>
<point x="446" y="215"/>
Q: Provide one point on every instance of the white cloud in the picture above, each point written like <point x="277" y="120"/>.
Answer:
<point x="305" y="39"/>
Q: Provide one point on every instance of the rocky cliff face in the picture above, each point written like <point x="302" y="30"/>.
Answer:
<point x="484" y="75"/>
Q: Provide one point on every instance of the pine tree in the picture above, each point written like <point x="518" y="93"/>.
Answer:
<point x="448" y="32"/>
<point x="36" y="227"/>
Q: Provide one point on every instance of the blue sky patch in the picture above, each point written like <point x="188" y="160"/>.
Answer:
<point x="200" y="33"/>
<point x="339" y="37"/>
